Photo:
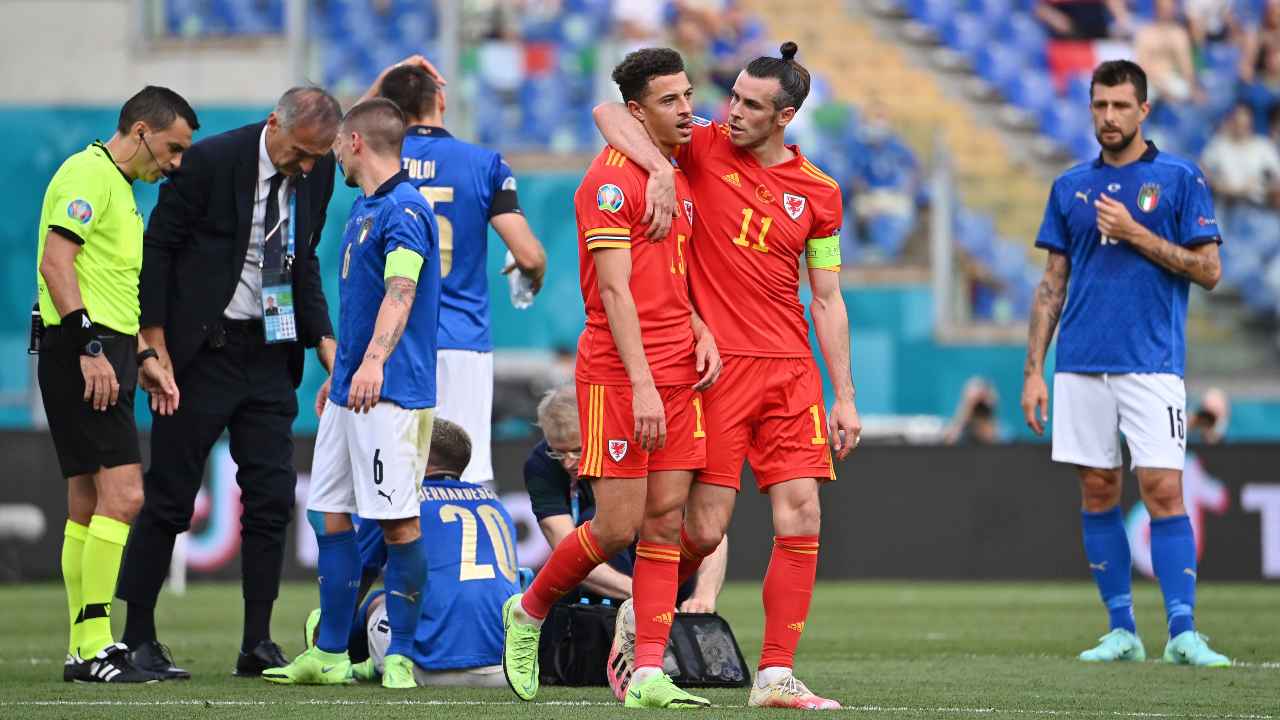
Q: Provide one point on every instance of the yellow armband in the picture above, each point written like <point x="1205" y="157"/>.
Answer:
<point x="823" y="253"/>
<point x="403" y="262"/>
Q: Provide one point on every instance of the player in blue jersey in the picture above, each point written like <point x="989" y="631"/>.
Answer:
<point x="376" y="416"/>
<point x="1130" y="230"/>
<point x="470" y="189"/>
<point x="472" y="570"/>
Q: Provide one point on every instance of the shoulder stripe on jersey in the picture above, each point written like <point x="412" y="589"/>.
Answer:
<point x="818" y="175"/>
<point x="600" y="243"/>
<point x="615" y="159"/>
<point x="623" y="231"/>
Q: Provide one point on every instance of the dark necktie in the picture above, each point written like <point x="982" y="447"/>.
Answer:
<point x="273" y="243"/>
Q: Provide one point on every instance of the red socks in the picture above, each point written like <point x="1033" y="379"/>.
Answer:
<point x="572" y="560"/>
<point x="690" y="558"/>
<point x="788" y="588"/>
<point x="654" y="594"/>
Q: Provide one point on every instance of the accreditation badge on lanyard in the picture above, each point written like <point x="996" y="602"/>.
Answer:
<point x="278" y="319"/>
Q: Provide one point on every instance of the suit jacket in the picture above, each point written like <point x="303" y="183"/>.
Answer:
<point x="198" y="235"/>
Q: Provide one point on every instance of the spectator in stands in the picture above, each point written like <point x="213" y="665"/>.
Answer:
<point x="639" y="24"/>
<point x="1084" y="19"/>
<point x="974" y="422"/>
<point x="1212" y="21"/>
<point x="885" y="180"/>
<point x="1259" y="43"/>
<point x="1209" y="423"/>
<point x="1163" y="48"/>
<point x="561" y="502"/>
<point x="1243" y="169"/>
<point x="1264" y="92"/>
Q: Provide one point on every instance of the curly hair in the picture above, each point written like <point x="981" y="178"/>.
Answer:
<point x="636" y="70"/>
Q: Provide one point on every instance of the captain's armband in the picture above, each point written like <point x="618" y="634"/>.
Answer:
<point x="823" y="253"/>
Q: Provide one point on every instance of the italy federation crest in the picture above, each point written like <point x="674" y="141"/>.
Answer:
<point x="1148" y="197"/>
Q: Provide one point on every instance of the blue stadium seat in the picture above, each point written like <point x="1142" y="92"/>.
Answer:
<point x="966" y="34"/>
<point x="1024" y="33"/>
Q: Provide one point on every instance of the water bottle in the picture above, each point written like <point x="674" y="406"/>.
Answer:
<point x="521" y="285"/>
<point x="37" y="330"/>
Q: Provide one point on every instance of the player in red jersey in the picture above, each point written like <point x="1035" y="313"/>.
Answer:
<point x="643" y="360"/>
<point x="763" y="206"/>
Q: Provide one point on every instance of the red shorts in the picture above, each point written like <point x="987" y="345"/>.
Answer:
<point x="769" y="411"/>
<point x="608" y="428"/>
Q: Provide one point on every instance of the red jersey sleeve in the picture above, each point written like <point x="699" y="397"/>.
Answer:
<point x="705" y="135"/>
<point x="828" y="206"/>
<point x="612" y="204"/>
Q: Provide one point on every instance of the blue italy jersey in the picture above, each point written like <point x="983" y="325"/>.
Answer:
<point x="466" y="185"/>
<point x="395" y="216"/>
<point x="1124" y="313"/>
<point x="471" y="571"/>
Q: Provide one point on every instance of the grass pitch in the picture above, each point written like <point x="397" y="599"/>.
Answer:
<point x="885" y="650"/>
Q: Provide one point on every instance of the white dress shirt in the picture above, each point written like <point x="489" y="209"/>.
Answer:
<point x="246" y="303"/>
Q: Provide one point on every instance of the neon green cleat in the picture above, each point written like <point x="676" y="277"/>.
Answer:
<point x="1116" y="646"/>
<point x="1191" y="648"/>
<point x="313" y="667"/>
<point x="659" y="691"/>
<point x="364" y="671"/>
<point x="310" y="631"/>
<point x="397" y="673"/>
<point x="520" y="651"/>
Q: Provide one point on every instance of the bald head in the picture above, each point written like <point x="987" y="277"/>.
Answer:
<point x="379" y="123"/>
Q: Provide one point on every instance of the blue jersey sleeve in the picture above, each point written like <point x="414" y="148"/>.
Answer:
<point x="372" y="544"/>
<point x="412" y="228"/>
<point x="1197" y="222"/>
<point x="502" y="189"/>
<point x="1053" y="233"/>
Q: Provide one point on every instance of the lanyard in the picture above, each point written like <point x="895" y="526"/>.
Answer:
<point x="290" y="232"/>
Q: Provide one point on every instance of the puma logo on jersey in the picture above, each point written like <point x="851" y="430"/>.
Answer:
<point x="1084" y="195"/>
<point x="798" y="626"/>
<point x="733" y="179"/>
<point x="411" y="597"/>
<point x="665" y="618"/>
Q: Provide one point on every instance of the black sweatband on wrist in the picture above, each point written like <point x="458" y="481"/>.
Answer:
<point x="78" y="327"/>
<point x="146" y="355"/>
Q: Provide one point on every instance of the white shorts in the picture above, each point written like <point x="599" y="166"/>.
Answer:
<point x="464" y="395"/>
<point x="370" y="464"/>
<point x="1090" y="410"/>
<point x="378" y="630"/>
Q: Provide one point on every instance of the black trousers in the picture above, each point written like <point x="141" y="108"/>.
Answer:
<point x="244" y="387"/>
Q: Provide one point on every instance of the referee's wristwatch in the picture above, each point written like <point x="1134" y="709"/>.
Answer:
<point x="93" y="348"/>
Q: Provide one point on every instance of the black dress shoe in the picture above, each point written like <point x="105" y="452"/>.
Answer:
<point x="265" y="654"/>
<point x="154" y="657"/>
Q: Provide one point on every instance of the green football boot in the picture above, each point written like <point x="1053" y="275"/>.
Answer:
<point x="364" y="671"/>
<point x="1191" y="648"/>
<point x="1119" y="645"/>
<point x="520" y="651"/>
<point x="658" y="691"/>
<point x="397" y="673"/>
<point x="311" y="630"/>
<point x="313" y="667"/>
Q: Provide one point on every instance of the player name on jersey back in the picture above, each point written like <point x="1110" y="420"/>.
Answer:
<point x="609" y="205"/>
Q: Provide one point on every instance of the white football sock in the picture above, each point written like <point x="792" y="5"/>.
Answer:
<point x="767" y="676"/>
<point x="642" y="674"/>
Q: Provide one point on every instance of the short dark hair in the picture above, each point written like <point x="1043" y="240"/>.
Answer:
<point x="636" y="70"/>
<point x="792" y="77"/>
<point x="1118" y="72"/>
<point x="158" y="107"/>
<point x="309" y="106"/>
<point x="380" y="123"/>
<point x="450" y="447"/>
<point x="412" y="89"/>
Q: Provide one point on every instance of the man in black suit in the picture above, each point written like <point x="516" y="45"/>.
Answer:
<point x="239" y="222"/>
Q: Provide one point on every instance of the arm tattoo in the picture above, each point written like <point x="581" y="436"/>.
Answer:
<point x="1180" y="261"/>
<point x="401" y="290"/>
<point x="398" y="300"/>
<point x="1051" y="295"/>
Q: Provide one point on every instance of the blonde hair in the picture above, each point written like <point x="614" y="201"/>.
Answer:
<point x="558" y="411"/>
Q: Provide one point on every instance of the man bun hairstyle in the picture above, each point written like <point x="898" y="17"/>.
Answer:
<point x="636" y="70"/>
<point x="158" y="107"/>
<point x="1118" y="72"/>
<point x="412" y="89"/>
<point x="792" y="77"/>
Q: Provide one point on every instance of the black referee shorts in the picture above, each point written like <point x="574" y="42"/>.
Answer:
<point x="86" y="439"/>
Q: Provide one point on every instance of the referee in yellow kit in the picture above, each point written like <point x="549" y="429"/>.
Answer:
<point x="91" y="359"/>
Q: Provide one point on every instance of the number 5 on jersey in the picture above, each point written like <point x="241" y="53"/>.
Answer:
<point x="435" y="195"/>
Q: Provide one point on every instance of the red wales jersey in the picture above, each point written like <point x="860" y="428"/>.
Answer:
<point x="609" y="205"/>
<point x="751" y="236"/>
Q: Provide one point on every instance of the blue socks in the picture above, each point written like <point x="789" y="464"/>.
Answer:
<point x="339" y="574"/>
<point x="1173" y="557"/>
<point x="1107" y="547"/>
<point x="406" y="574"/>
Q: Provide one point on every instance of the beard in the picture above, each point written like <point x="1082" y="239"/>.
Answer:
<point x="1115" y="147"/>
